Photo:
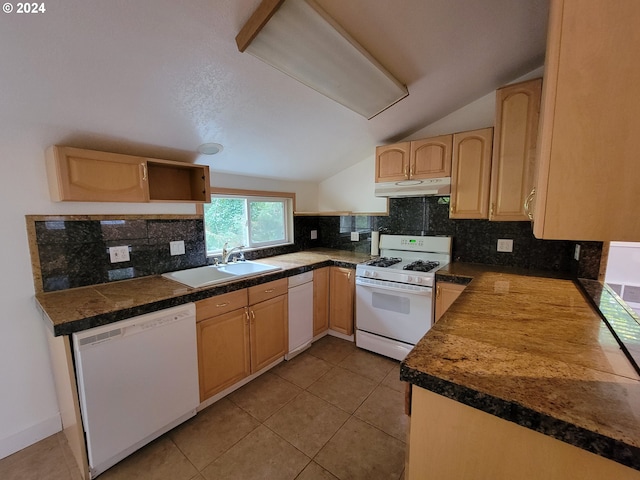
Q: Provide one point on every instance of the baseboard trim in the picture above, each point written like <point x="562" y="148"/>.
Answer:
<point x="35" y="433"/>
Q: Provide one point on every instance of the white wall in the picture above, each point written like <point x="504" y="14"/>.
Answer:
<point x="353" y="189"/>
<point x="306" y="192"/>
<point x="28" y="406"/>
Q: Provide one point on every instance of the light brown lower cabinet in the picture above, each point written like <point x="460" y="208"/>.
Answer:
<point x="341" y="299"/>
<point x="446" y="294"/>
<point x="240" y="333"/>
<point x="320" y="300"/>
<point x="269" y="331"/>
<point x="450" y="441"/>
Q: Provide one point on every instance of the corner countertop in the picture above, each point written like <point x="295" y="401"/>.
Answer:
<point x="77" y="309"/>
<point x="533" y="351"/>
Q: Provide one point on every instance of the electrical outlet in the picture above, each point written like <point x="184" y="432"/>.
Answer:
<point x="314" y="234"/>
<point x="355" y="236"/>
<point x="119" y="254"/>
<point x="176" y="248"/>
<point x="576" y="252"/>
<point x="505" y="245"/>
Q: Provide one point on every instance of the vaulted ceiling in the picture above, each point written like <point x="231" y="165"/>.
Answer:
<point x="160" y="77"/>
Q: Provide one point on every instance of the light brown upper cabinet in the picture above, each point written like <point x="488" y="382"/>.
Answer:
<point x="470" y="173"/>
<point x="417" y="160"/>
<point x="587" y="184"/>
<point x="514" y="149"/>
<point x="91" y="176"/>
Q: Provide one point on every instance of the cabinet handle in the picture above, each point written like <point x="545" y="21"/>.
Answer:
<point x="144" y="171"/>
<point x="452" y="208"/>
<point x="492" y="209"/>
<point x="406" y="172"/>
<point x="527" y="203"/>
<point x="224" y="304"/>
<point x="412" y="171"/>
<point x="253" y="316"/>
<point x="270" y="290"/>
<point x="437" y="292"/>
<point x="246" y="313"/>
<point x="349" y="275"/>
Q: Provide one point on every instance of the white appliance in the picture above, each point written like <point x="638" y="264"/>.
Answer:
<point x="414" y="188"/>
<point x="394" y="307"/>
<point x="137" y="379"/>
<point x="300" y="313"/>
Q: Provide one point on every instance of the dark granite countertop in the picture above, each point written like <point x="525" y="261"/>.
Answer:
<point x="533" y="350"/>
<point x="77" y="309"/>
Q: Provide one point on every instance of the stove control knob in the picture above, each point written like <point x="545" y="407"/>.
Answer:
<point x="417" y="280"/>
<point x="409" y="279"/>
<point x="374" y="274"/>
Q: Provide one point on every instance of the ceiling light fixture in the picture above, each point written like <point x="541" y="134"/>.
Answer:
<point x="210" y="148"/>
<point x="301" y="40"/>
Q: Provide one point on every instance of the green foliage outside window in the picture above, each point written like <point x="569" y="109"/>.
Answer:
<point x="242" y="221"/>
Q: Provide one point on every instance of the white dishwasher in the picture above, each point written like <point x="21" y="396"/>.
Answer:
<point x="137" y="379"/>
<point x="300" y="313"/>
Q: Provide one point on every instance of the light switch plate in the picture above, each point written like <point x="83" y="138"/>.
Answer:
<point x="176" y="248"/>
<point x="119" y="254"/>
<point x="355" y="236"/>
<point x="314" y="234"/>
<point x="576" y="252"/>
<point x="505" y="245"/>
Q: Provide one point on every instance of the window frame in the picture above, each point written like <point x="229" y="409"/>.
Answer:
<point x="288" y="199"/>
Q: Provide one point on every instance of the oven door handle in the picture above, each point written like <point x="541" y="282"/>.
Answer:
<point x="410" y="290"/>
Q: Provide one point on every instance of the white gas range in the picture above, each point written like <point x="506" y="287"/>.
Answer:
<point x="394" y="307"/>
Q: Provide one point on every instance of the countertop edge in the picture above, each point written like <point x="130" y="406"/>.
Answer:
<point x="585" y="439"/>
<point x="76" y="325"/>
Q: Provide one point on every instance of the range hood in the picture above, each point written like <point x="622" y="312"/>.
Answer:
<point x="414" y="188"/>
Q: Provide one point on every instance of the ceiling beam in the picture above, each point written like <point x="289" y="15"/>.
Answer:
<point x="255" y="23"/>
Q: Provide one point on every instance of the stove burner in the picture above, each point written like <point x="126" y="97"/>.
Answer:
<point x="384" y="261"/>
<point x="421" y="266"/>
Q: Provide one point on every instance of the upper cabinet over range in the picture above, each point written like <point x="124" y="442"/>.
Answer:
<point x="588" y="180"/>
<point x="417" y="160"/>
<point x="90" y="176"/>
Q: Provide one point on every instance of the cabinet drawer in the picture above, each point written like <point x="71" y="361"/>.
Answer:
<point x="268" y="290"/>
<point x="220" y="304"/>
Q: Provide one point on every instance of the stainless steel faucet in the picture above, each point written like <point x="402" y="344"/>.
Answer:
<point x="226" y="253"/>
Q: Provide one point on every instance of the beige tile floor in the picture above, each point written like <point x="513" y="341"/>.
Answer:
<point x="333" y="412"/>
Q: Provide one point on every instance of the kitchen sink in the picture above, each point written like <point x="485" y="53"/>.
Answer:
<point x="211" y="274"/>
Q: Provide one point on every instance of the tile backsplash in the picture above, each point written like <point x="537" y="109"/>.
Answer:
<point x="72" y="251"/>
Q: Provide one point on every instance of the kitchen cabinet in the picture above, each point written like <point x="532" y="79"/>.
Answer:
<point x="416" y="160"/>
<point x="320" y="301"/>
<point x="90" y="176"/>
<point x="223" y="342"/>
<point x="446" y="294"/>
<point x="268" y="323"/>
<point x="587" y="180"/>
<point x="514" y="148"/>
<point x="341" y="299"/>
<point x="450" y="440"/>
<point x="240" y="333"/>
<point x="470" y="174"/>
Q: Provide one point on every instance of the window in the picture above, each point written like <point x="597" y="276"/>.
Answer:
<point x="250" y="220"/>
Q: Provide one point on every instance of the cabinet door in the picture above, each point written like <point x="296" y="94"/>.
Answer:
<point x="514" y="148"/>
<point x="320" y="300"/>
<point x="431" y="157"/>
<point x="223" y="351"/>
<point x="88" y="176"/>
<point x="269" y="331"/>
<point x="587" y="180"/>
<point x="446" y="294"/>
<point x="341" y="298"/>
<point x="392" y="162"/>
<point x="471" y="169"/>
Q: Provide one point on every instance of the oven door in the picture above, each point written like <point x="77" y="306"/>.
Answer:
<point x="394" y="310"/>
